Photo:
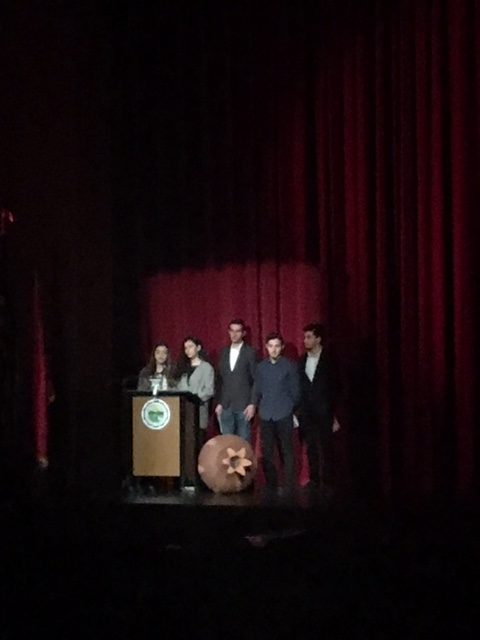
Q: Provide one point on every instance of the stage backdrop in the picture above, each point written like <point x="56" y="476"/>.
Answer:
<point x="175" y="164"/>
<point x="326" y="172"/>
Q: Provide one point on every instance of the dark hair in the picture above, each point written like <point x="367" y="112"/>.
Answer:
<point x="274" y="335"/>
<point x="152" y="364"/>
<point x="237" y="321"/>
<point x="316" y="328"/>
<point x="183" y="364"/>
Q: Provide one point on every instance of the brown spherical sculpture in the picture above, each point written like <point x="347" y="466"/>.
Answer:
<point x="227" y="464"/>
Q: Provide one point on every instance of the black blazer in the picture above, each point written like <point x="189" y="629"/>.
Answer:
<point x="318" y="397"/>
<point x="235" y="389"/>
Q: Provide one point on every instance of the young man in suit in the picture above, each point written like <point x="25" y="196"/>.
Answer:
<point x="316" y="411"/>
<point x="235" y="406"/>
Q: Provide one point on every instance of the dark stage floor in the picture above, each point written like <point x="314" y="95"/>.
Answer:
<point x="249" y="566"/>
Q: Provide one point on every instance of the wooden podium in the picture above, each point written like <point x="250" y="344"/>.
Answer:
<point x="165" y="435"/>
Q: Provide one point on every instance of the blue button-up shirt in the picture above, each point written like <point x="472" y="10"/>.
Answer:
<point x="277" y="388"/>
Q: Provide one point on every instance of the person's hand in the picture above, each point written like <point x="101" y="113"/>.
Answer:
<point x="249" y="411"/>
<point x="336" y="425"/>
<point x="218" y="410"/>
<point x="296" y="423"/>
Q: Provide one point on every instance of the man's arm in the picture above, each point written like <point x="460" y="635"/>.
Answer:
<point x="219" y="386"/>
<point x="249" y="410"/>
<point x="252" y="370"/>
<point x="257" y="385"/>
<point x="294" y="384"/>
<point x="300" y="369"/>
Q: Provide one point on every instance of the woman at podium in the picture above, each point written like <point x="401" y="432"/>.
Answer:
<point x="158" y="370"/>
<point x="155" y="376"/>
<point x="195" y="374"/>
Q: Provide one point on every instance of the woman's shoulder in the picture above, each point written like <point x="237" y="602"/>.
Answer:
<point x="145" y="371"/>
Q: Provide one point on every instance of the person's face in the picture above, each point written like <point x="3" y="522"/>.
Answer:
<point x="274" y="349"/>
<point x="191" y="349"/>
<point x="236" y="333"/>
<point x="161" y="354"/>
<point x="311" y="341"/>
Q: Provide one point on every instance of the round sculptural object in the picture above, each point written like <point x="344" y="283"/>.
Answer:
<point x="227" y="464"/>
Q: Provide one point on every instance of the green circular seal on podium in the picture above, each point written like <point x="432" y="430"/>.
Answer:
<point x="156" y="414"/>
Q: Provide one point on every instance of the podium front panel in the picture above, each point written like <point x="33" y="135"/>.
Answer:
<point x="156" y="436"/>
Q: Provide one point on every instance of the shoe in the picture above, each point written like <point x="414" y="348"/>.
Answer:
<point x="129" y="492"/>
<point x="129" y="489"/>
<point x="150" y="491"/>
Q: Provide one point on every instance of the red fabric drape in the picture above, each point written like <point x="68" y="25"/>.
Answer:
<point x="369" y="149"/>
<point x="40" y="379"/>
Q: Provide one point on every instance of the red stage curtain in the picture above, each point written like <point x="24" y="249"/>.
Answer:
<point x="363" y="215"/>
<point x="40" y="379"/>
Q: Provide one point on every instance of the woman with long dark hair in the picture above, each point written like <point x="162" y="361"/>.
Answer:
<point x="195" y="374"/>
<point x="155" y="376"/>
<point x="157" y="371"/>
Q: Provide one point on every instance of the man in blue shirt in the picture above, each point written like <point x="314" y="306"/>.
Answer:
<point x="277" y="394"/>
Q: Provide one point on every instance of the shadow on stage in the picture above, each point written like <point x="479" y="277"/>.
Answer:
<point x="254" y="564"/>
<point x="195" y="519"/>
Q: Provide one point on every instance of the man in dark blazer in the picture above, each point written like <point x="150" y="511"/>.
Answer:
<point x="235" y="396"/>
<point x="316" y="410"/>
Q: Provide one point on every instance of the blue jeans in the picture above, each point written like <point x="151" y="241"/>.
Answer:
<point x="234" y="423"/>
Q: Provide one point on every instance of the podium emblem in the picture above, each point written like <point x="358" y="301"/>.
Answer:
<point x="155" y="414"/>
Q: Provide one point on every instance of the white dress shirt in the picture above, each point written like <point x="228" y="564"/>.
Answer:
<point x="311" y="365"/>
<point x="234" y="353"/>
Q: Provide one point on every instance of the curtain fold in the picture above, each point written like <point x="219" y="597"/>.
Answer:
<point x="314" y="161"/>
<point x="42" y="388"/>
<point x="365" y="143"/>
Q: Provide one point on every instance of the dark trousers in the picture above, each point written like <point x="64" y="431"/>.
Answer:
<point x="281" y="433"/>
<point x="316" y="432"/>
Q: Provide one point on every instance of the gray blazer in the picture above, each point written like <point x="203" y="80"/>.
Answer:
<point x="202" y="384"/>
<point x="236" y="388"/>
